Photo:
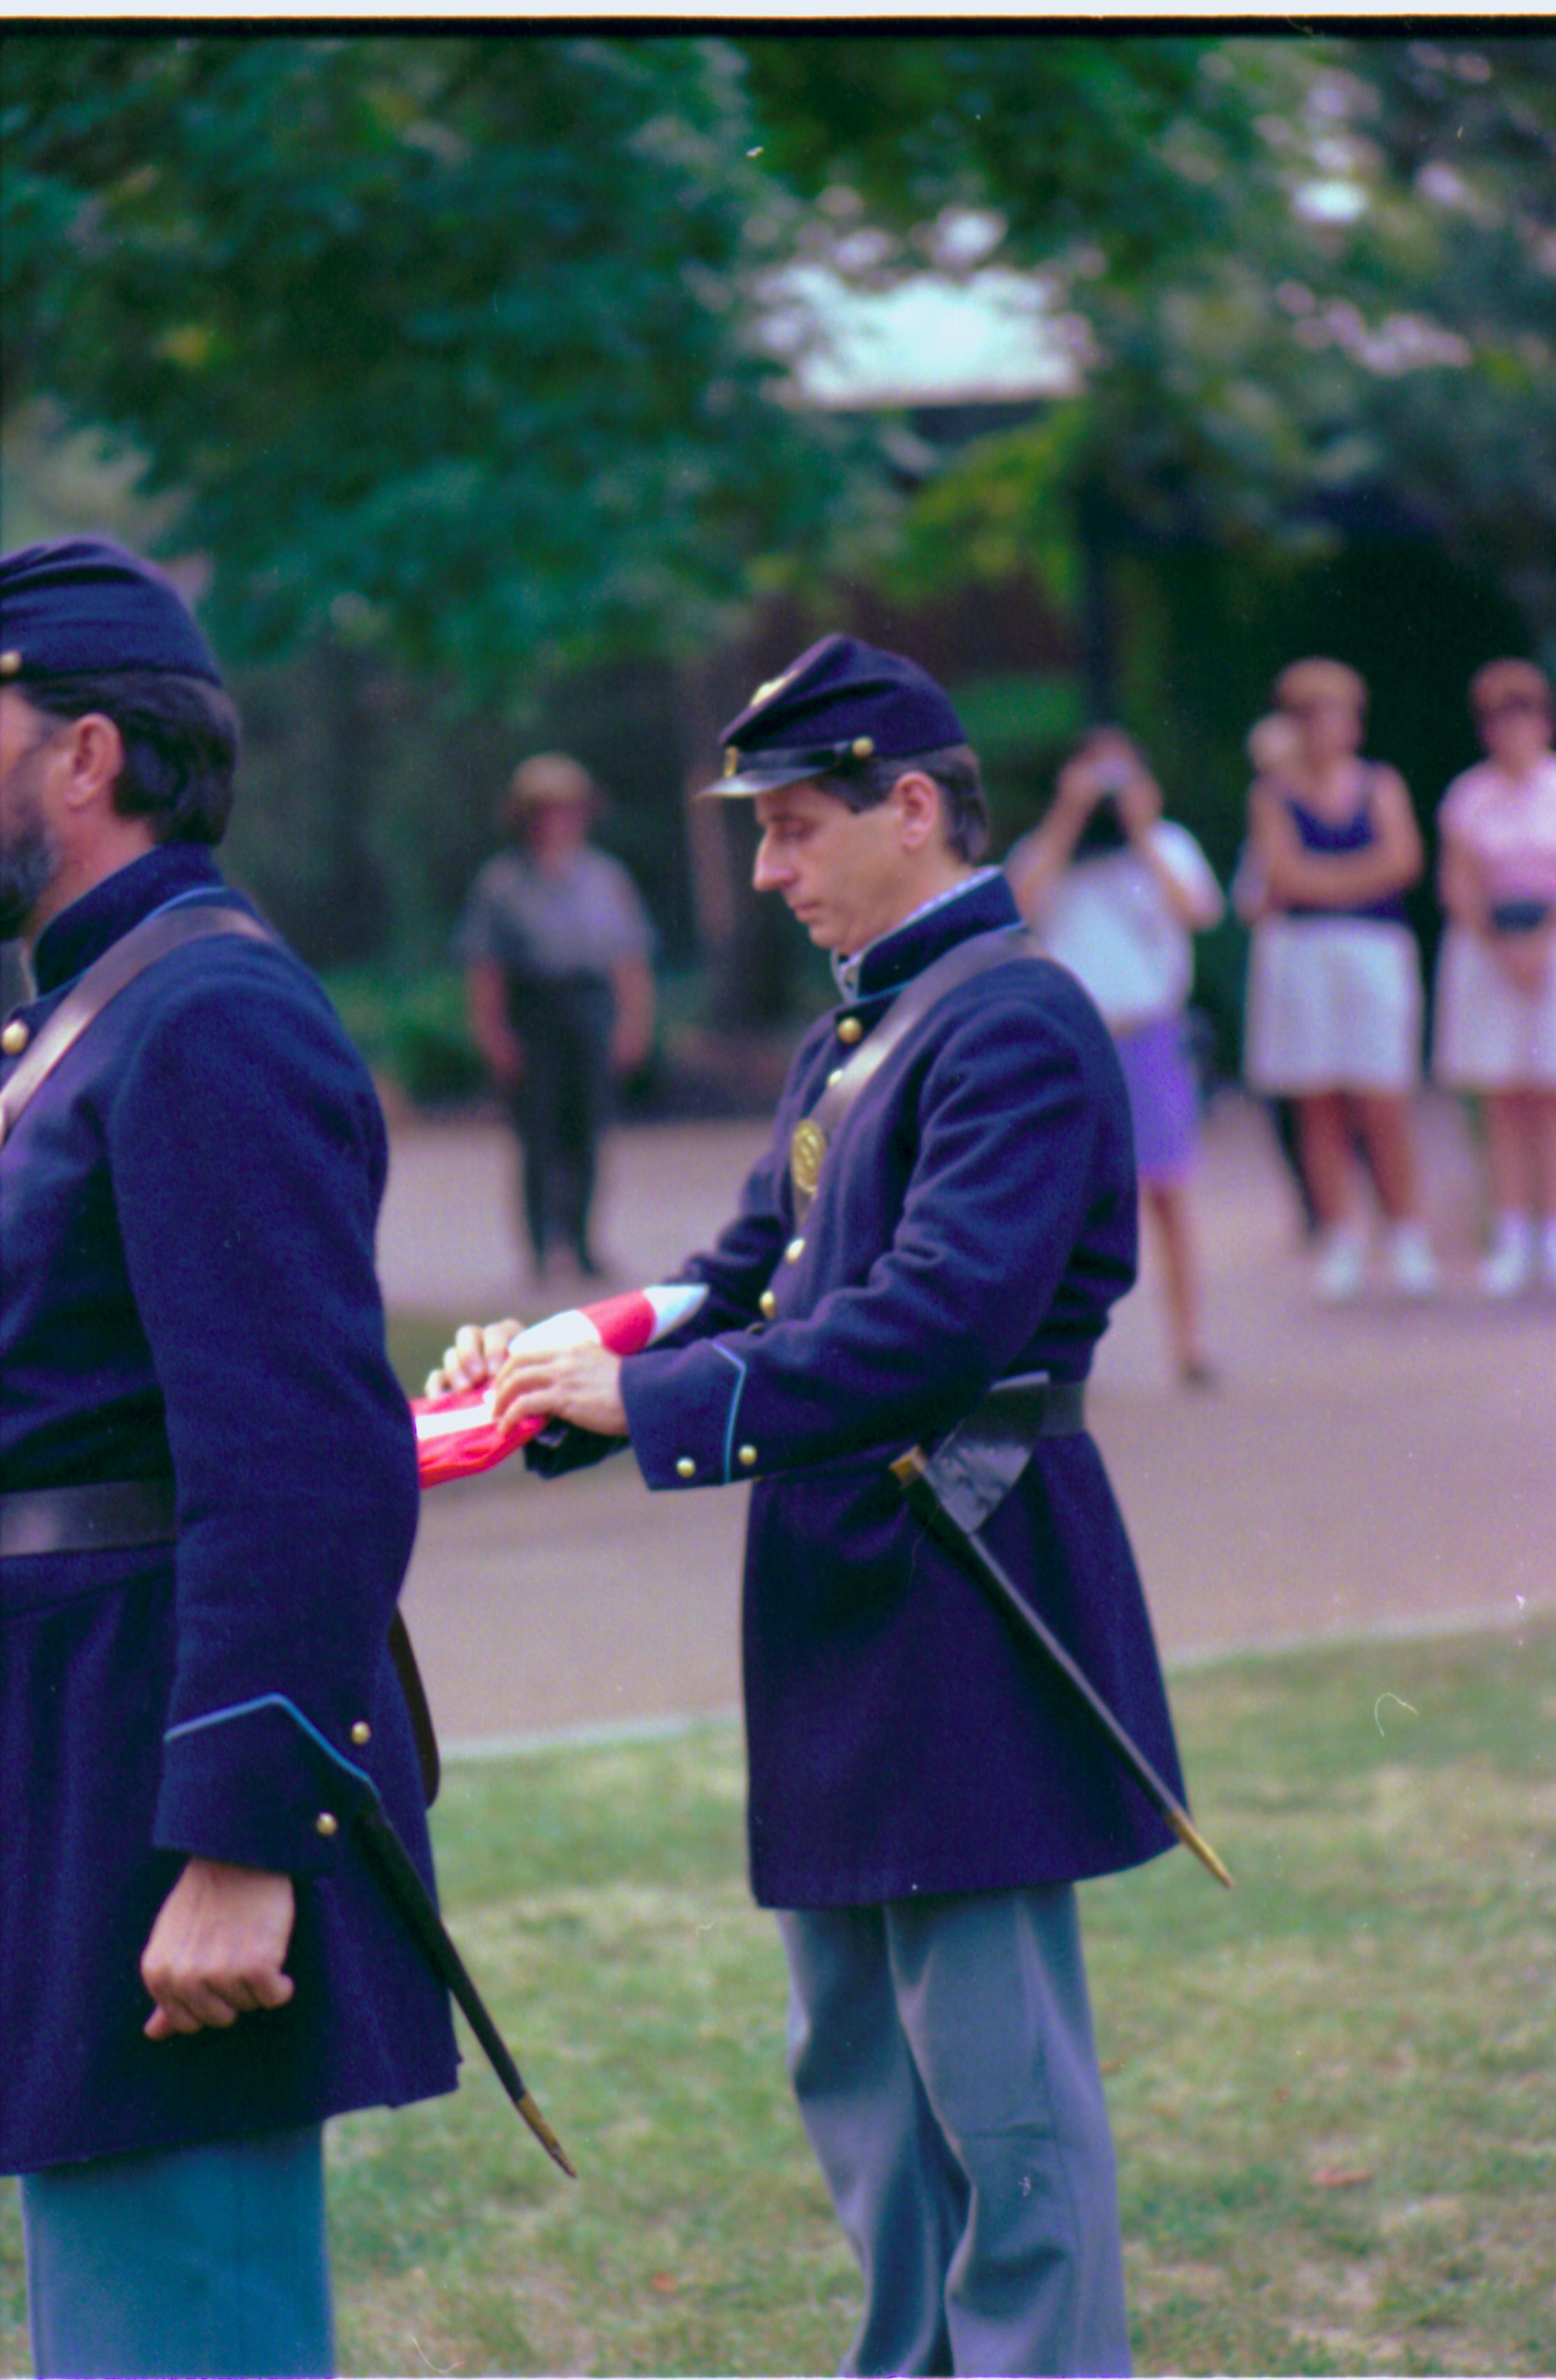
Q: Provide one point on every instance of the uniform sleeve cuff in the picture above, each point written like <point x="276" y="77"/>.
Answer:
<point x="683" y="1410"/>
<point x="259" y="1785"/>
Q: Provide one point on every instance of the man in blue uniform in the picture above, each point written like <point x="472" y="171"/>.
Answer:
<point x="923" y="1794"/>
<point x="207" y="1495"/>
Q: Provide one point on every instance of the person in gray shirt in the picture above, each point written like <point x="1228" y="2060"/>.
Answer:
<point x="556" y="947"/>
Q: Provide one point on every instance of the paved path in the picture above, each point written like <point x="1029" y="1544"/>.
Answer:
<point x="1377" y="1468"/>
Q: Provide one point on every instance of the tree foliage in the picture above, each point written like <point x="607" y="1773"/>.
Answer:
<point x="1317" y="263"/>
<point x="444" y="340"/>
<point x="452" y="344"/>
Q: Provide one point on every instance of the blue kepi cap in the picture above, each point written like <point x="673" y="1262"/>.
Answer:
<point x="840" y="704"/>
<point x="81" y="606"/>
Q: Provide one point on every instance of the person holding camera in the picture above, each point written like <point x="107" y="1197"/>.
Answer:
<point x="1115" y="892"/>
<point x="1496" y="984"/>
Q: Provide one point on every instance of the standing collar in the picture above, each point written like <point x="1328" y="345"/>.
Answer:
<point x="101" y="917"/>
<point x="982" y="901"/>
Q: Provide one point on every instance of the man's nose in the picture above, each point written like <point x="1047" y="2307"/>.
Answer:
<point x="769" y="873"/>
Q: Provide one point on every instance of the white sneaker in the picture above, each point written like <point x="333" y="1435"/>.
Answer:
<point x="1412" y="1270"/>
<point x="1508" y="1267"/>
<point x="1341" y="1269"/>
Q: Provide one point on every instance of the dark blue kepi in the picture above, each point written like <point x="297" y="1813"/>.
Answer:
<point x="841" y="705"/>
<point x="81" y="605"/>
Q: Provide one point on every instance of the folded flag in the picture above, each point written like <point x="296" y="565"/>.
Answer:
<point x="456" y="1435"/>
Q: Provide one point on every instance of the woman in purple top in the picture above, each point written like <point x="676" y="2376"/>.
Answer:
<point x="1334" y="988"/>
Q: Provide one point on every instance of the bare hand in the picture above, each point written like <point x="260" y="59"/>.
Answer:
<point x="576" y="1384"/>
<point x="1139" y="805"/>
<point x="215" y="1952"/>
<point x="478" y="1348"/>
<point x="1077" y="788"/>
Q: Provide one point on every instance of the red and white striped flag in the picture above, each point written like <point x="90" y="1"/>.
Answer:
<point x="456" y="1435"/>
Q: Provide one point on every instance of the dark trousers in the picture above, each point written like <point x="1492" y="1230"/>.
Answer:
<point x="561" y="1105"/>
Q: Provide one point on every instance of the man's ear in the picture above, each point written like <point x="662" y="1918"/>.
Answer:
<point x="93" y="760"/>
<point x="917" y="801"/>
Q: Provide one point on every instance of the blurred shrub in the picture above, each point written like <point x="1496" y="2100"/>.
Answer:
<point x="411" y="1030"/>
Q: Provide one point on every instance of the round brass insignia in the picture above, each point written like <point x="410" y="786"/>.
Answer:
<point x="805" y="1152"/>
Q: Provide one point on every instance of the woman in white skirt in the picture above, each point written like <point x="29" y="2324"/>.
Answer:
<point x="1335" y="982"/>
<point x="1496" y="982"/>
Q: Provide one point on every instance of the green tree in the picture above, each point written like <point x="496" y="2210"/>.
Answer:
<point x="446" y="343"/>
<point x="1292" y="266"/>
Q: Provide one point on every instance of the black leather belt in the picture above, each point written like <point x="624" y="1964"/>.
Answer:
<point x="974" y="1466"/>
<point x="103" y="1517"/>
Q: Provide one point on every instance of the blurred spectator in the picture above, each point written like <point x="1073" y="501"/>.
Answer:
<point x="1272" y="746"/>
<point x="1496" y="984"/>
<point x="556" y="947"/>
<point x="1334" y="985"/>
<point x="1116" y="892"/>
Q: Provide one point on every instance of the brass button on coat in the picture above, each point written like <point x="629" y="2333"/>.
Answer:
<point x="326" y="1822"/>
<point x="361" y="1732"/>
<point x="748" y="1456"/>
<point x="768" y="1304"/>
<point x="795" y="1251"/>
<point x="15" y="1038"/>
<point x="685" y="1468"/>
<point x="851" y="1029"/>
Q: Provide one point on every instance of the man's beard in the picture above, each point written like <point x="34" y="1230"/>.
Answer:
<point x="29" y="864"/>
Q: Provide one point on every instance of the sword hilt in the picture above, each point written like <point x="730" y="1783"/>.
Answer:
<point x="912" y="1474"/>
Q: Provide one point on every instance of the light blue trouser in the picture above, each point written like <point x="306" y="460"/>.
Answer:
<point x="207" y="2260"/>
<point x="941" y="2051"/>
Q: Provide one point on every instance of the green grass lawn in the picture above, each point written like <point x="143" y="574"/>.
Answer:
<point x="1335" y="2089"/>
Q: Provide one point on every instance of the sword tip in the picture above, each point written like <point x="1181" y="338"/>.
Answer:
<point x="546" y="2137"/>
<point x="1189" y="1834"/>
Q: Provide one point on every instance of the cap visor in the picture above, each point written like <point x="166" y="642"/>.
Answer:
<point x="758" y="781"/>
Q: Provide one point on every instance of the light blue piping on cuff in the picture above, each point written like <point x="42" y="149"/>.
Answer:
<point x="273" y="1702"/>
<point x="734" y="1411"/>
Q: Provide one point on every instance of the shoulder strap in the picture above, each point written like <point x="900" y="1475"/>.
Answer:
<point x="957" y="966"/>
<point x="166" y="930"/>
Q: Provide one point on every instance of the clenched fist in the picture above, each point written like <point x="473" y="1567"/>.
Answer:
<point x="217" y="1948"/>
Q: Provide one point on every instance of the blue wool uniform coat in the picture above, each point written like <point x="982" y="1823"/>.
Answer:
<point x="187" y="1288"/>
<point x="976" y="1216"/>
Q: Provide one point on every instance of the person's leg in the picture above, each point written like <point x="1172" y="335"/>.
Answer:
<point x="1542" y="1136"/>
<point x="532" y="1184"/>
<point x="1324" y="1144"/>
<point x="587" y="1103"/>
<point x="1513" y="1171"/>
<point x="991" y="1988"/>
<point x="208" y="2259"/>
<point x="1166" y="1205"/>
<point x="544" y="1094"/>
<point x="1384" y="1121"/>
<point x="1283" y="1114"/>
<point x="1324" y="1138"/>
<point x="898" y="2194"/>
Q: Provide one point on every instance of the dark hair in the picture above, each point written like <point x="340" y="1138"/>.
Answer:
<point x="180" y="737"/>
<point x="953" y="766"/>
